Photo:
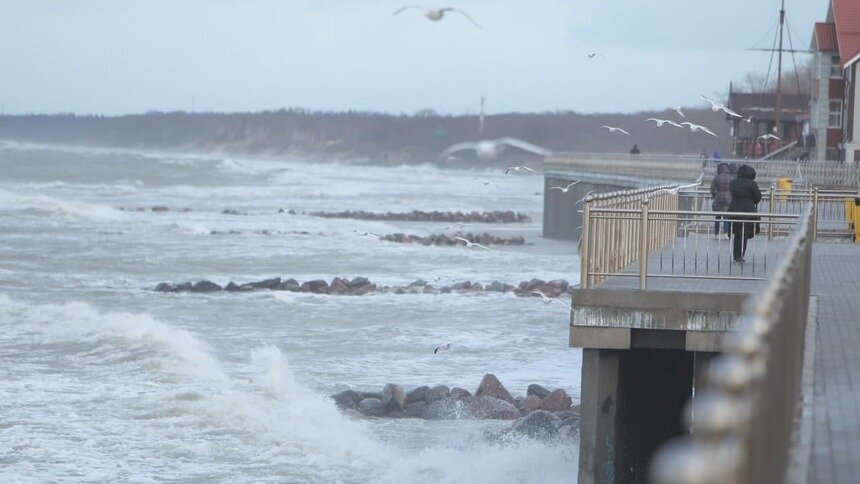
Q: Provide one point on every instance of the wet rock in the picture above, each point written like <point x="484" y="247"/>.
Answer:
<point x="371" y="407"/>
<point x="265" y="284"/>
<point x="490" y="408"/>
<point x="338" y="286"/>
<point x="538" y="424"/>
<point x="164" y="287"/>
<point x="459" y="393"/>
<point x="556" y="401"/>
<point x="318" y="286"/>
<point x="376" y="395"/>
<point x="530" y="403"/>
<point x="535" y="389"/>
<point x="491" y="387"/>
<point x="290" y="284"/>
<point x="160" y="208"/>
<point x="230" y="211"/>
<point x="461" y="286"/>
<point x="393" y="398"/>
<point x="231" y="286"/>
<point x="495" y="286"/>
<point x="443" y="409"/>
<point x="567" y="414"/>
<point x="358" y="282"/>
<point x="246" y="288"/>
<point x="184" y="287"/>
<point x="347" y="399"/>
<point x="418" y="395"/>
<point x="205" y="286"/>
<point x="567" y="432"/>
<point x="428" y="289"/>
<point x="418" y="283"/>
<point x="437" y="393"/>
<point x="573" y="421"/>
<point x="415" y="409"/>
<point x="362" y="290"/>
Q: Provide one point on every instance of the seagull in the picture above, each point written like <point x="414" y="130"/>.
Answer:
<point x="490" y="149"/>
<point x="472" y="244"/>
<point x="366" y="234"/>
<point x="459" y="227"/>
<point x="769" y="136"/>
<point x="446" y="346"/>
<point x="565" y="189"/>
<point x="661" y="122"/>
<point x="437" y="14"/>
<point x="749" y="119"/>
<point x="592" y="55"/>
<point x="548" y="300"/>
<point x="715" y="106"/>
<point x="678" y="110"/>
<point x="696" y="127"/>
<point x="518" y="168"/>
<point x="613" y="129"/>
<point x="487" y="183"/>
<point x="583" y="198"/>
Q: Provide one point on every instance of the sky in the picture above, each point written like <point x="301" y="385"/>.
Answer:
<point x="116" y="57"/>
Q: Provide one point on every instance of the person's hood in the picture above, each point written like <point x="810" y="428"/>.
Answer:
<point x="723" y="168"/>
<point x="746" y="171"/>
<point x="751" y="172"/>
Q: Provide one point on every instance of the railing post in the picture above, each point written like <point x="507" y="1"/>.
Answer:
<point x="584" y="254"/>
<point x="815" y="214"/>
<point x="771" y="208"/>
<point x="643" y="246"/>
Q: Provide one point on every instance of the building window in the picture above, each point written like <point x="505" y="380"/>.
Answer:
<point x="835" y="117"/>
<point x="835" y="71"/>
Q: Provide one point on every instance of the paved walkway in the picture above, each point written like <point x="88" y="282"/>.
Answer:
<point x="835" y="455"/>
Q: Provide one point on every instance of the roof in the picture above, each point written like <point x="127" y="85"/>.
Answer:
<point x="762" y="106"/>
<point x="825" y="37"/>
<point x="846" y="14"/>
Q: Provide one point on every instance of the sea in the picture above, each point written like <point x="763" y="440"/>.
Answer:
<point x="103" y="379"/>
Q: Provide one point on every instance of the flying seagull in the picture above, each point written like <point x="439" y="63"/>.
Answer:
<point x="695" y="127"/>
<point x="592" y="55"/>
<point x="749" y="119"/>
<point x="458" y="228"/>
<point x="446" y="346"/>
<point x="715" y="106"/>
<point x="366" y="234"/>
<point x="565" y="189"/>
<point x="769" y="136"/>
<point x="472" y="244"/>
<point x="548" y="300"/>
<point x="489" y="149"/>
<point x="613" y="129"/>
<point x="487" y="183"/>
<point x="678" y="110"/>
<point x="661" y="122"/>
<point x="584" y="197"/>
<point x="437" y="14"/>
<point x="518" y="168"/>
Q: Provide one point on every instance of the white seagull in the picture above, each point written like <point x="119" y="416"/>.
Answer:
<point x="749" y="119"/>
<point x="458" y="228"/>
<point x="490" y="149"/>
<point x="613" y="129"/>
<point x="678" y="110"/>
<point x="446" y="346"/>
<point x="769" y="136"/>
<point x="565" y="189"/>
<point x="518" y="168"/>
<point x="696" y="127"/>
<point x="661" y="122"/>
<point x="437" y="14"/>
<point x="584" y="197"/>
<point x="548" y="300"/>
<point x="366" y="234"/>
<point x="715" y="106"/>
<point x="472" y="244"/>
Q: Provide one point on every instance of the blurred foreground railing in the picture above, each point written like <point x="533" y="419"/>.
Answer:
<point x="741" y="423"/>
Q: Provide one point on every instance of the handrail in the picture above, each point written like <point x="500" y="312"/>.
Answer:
<point x="741" y="423"/>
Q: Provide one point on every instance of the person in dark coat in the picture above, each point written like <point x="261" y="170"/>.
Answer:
<point x="721" y="196"/>
<point x="745" y="198"/>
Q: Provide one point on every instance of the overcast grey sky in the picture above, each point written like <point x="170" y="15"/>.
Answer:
<point x="123" y="56"/>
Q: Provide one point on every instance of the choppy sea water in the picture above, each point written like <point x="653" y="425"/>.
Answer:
<point x="104" y="380"/>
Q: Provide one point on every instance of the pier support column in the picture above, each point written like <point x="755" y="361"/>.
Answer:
<point x="632" y="401"/>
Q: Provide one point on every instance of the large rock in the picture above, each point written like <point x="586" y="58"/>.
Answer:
<point x="371" y="407"/>
<point x="443" y="409"/>
<point x="265" y="283"/>
<point x="317" y="286"/>
<point x="459" y="393"/>
<point x="490" y="408"/>
<point x="567" y="414"/>
<point x="415" y="409"/>
<point x="535" y="389"/>
<point x="437" y="393"/>
<point x="290" y="284"/>
<point x="418" y="395"/>
<point x="491" y="387"/>
<point x="530" y="403"/>
<point x="231" y="286"/>
<point x="338" y="286"/>
<point x="358" y="281"/>
<point x="556" y="401"/>
<point x="538" y="424"/>
<point x="362" y="290"/>
<point x="164" y="287"/>
<point x="347" y="399"/>
<point x="393" y="398"/>
<point x="205" y="286"/>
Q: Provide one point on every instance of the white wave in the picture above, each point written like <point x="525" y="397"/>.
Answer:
<point x="47" y="205"/>
<point x="192" y="227"/>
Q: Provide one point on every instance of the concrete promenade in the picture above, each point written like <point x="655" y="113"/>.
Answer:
<point x="835" y="446"/>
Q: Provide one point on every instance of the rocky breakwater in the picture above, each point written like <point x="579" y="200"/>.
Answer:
<point x="449" y="240"/>
<point x="360" y="286"/>
<point x="541" y="413"/>
<point x="494" y="217"/>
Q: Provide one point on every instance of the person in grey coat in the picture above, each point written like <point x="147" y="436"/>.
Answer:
<point x="721" y="196"/>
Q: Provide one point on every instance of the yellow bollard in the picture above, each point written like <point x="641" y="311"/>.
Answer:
<point x="784" y="185"/>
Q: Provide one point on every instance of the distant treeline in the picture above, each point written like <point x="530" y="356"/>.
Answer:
<point x="364" y="136"/>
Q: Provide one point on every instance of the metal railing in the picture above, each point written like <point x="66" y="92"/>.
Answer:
<point x="741" y="423"/>
<point x="688" y="167"/>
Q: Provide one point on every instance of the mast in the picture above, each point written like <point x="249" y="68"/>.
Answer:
<point x="778" y="113"/>
<point x="481" y="118"/>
